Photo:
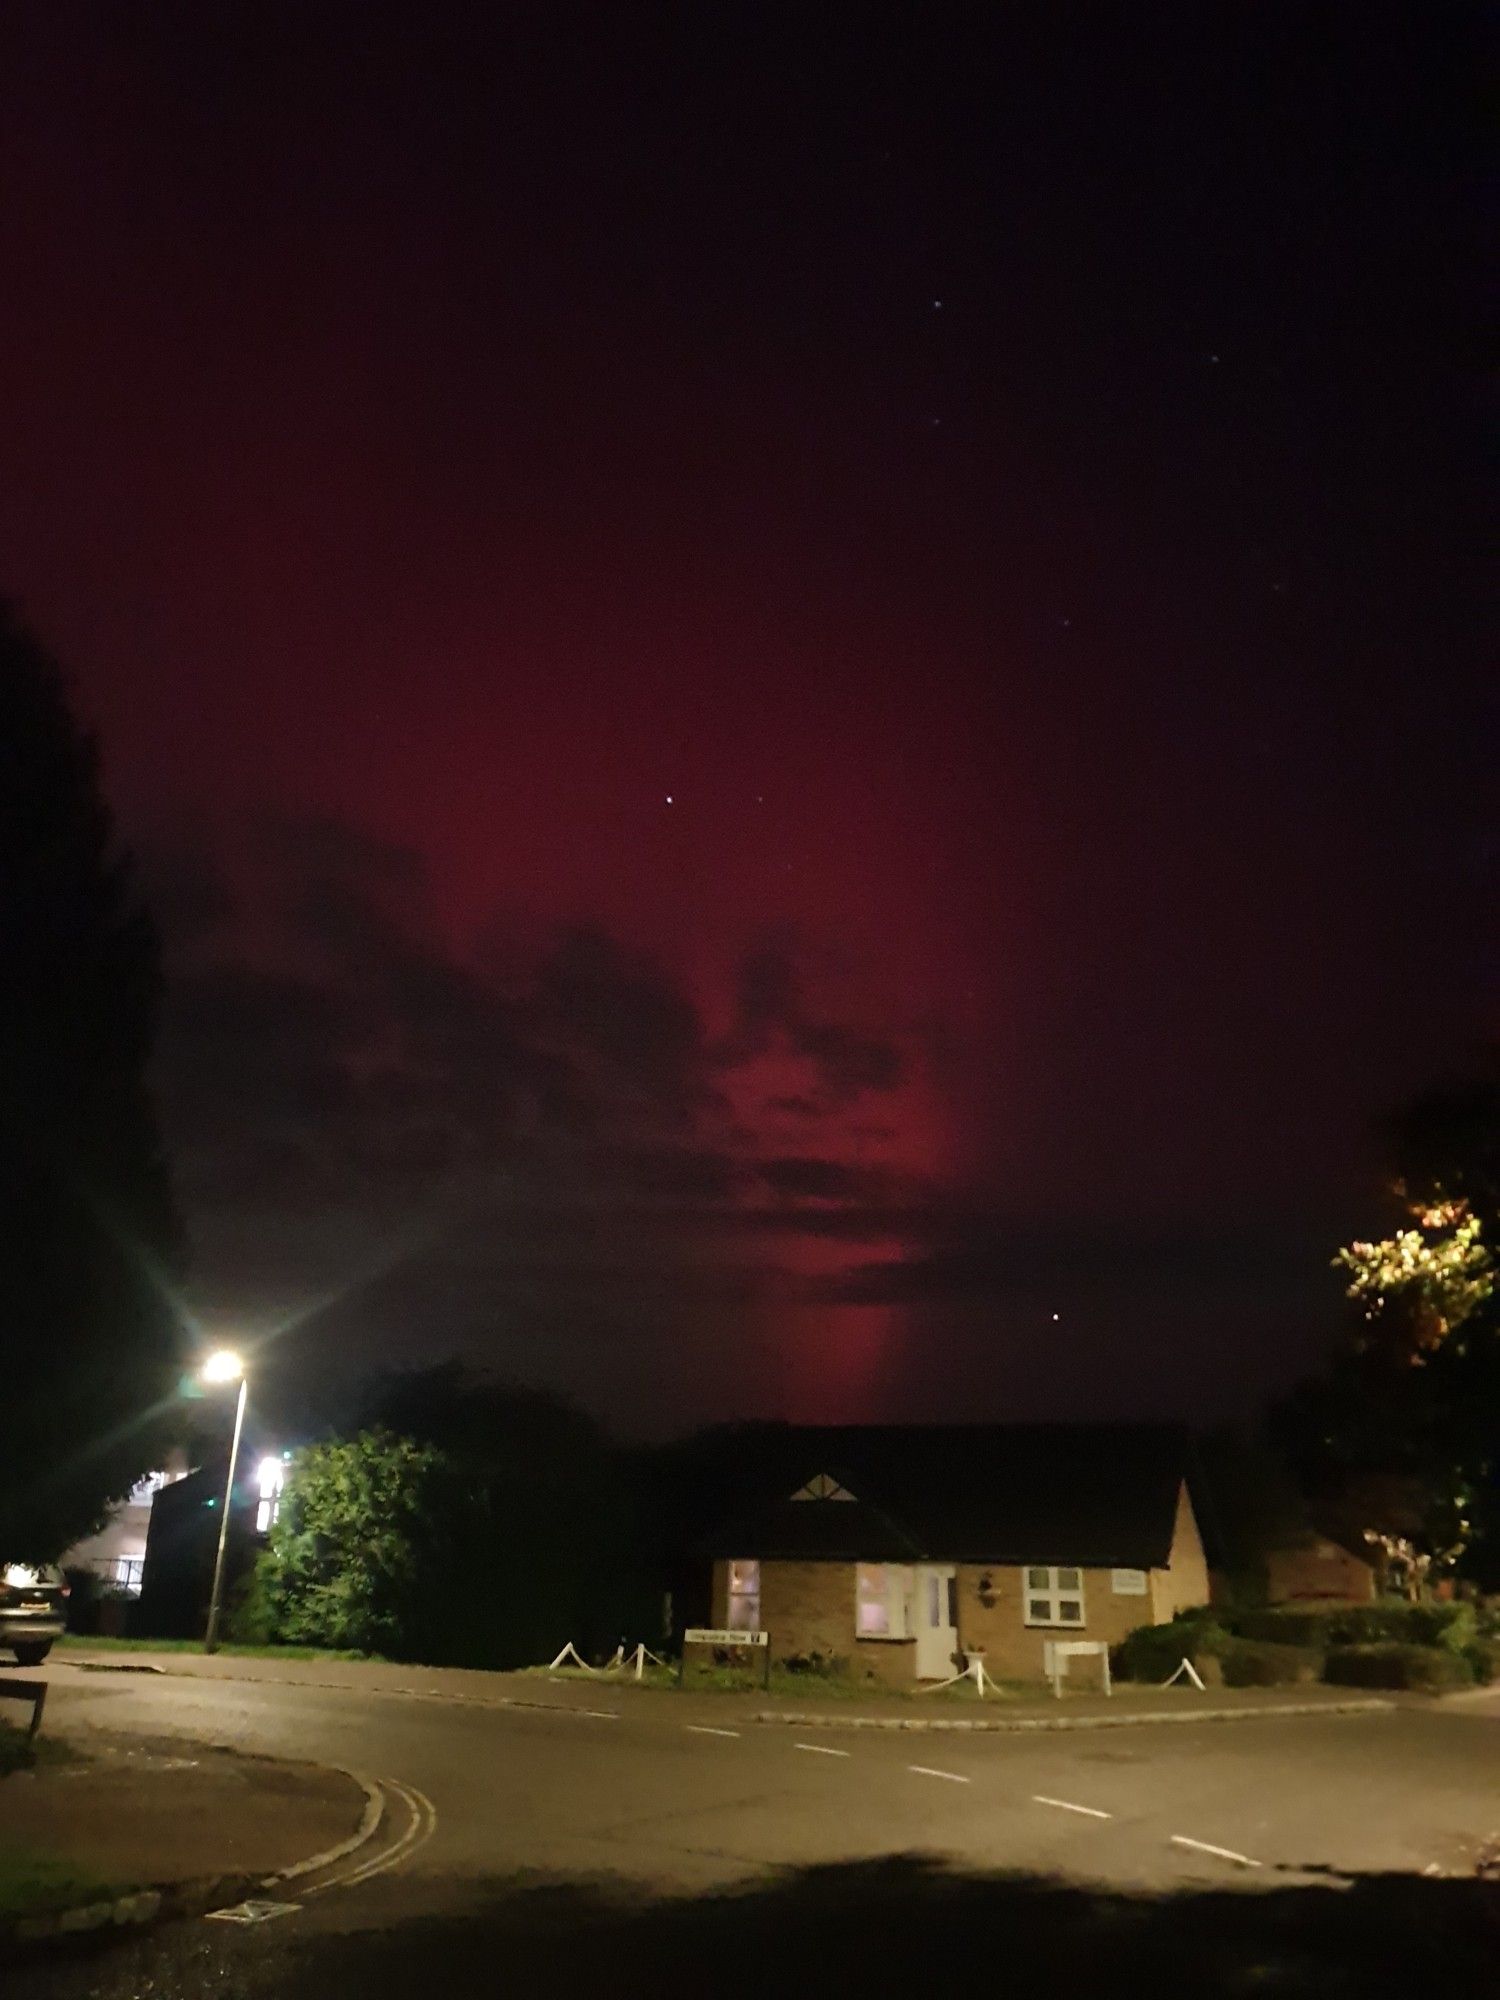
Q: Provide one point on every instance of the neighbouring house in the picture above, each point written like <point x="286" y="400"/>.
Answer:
<point x="183" y="1539"/>
<point x="904" y="1550"/>
<point x="1318" y="1571"/>
<point x="114" y="1556"/>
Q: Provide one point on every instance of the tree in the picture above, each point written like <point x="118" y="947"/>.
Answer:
<point x="543" y="1540"/>
<point x="88" y="1234"/>
<point x="353" y="1547"/>
<point x="1402" y="1436"/>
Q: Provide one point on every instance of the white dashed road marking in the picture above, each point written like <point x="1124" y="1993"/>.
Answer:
<point x="821" y="1750"/>
<point x="1067" y="1805"/>
<point x="599" y="1714"/>
<point x="1223" y="1853"/>
<point x="926" y="1771"/>
<point x="702" y="1729"/>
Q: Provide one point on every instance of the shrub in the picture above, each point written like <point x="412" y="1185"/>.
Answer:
<point x="1282" y="1625"/>
<point x="1483" y="1656"/>
<point x="1151" y="1652"/>
<point x="1261" y="1663"/>
<point x="1421" y="1669"/>
<point x="1450" y="1625"/>
<point x="817" y="1666"/>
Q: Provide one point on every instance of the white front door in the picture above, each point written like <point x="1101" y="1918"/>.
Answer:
<point x="937" y="1621"/>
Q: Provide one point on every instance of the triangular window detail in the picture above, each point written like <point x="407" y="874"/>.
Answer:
<point x="823" y="1487"/>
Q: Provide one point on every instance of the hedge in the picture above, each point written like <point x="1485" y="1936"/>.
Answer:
<point x="1449" y="1625"/>
<point x="1260" y="1663"/>
<point x="1152" y="1652"/>
<point x="1421" y="1669"/>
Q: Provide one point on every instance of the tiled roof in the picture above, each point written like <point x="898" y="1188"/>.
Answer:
<point x="1093" y="1494"/>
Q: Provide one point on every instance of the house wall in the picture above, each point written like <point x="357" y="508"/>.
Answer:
<point x="1320" y="1573"/>
<point x="1184" y="1583"/>
<point x="808" y="1607"/>
<point x="991" y="1618"/>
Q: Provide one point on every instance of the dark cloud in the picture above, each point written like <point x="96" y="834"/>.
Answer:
<point x="771" y="1009"/>
<point x="541" y="1138"/>
<point x="805" y="1179"/>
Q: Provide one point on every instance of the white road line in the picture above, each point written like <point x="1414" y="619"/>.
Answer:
<point x="926" y="1771"/>
<point x="422" y="1826"/>
<point x="822" y="1750"/>
<point x="599" y="1714"/>
<point x="702" y="1729"/>
<point x="1067" y="1805"/>
<point x="1224" y="1853"/>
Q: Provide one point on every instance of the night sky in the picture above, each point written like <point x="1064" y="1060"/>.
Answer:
<point x="801" y="691"/>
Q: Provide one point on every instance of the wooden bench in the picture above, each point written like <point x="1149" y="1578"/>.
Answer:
<point x="33" y="1691"/>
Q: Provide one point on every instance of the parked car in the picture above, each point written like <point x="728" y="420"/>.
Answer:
<point x="33" y="1611"/>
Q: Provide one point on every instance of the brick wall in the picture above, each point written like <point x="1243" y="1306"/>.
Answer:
<point x="993" y="1617"/>
<point x="1322" y="1572"/>
<point x="808" y="1607"/>
<point x="1184" y="1583"/>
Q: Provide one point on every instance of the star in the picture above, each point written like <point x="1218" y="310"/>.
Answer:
<point x="670" y="800"/>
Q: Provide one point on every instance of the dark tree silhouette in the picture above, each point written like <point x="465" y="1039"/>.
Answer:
<point x="88" y="1235"/>
<point x="1399" y="1437"/>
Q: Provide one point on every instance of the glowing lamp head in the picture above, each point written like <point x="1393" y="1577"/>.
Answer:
<point x="224" y="1366"/>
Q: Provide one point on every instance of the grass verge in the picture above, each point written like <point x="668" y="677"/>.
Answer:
<point x="74" y="1642"/>
<point x="32" y="1884"/>
<point x="784" y="1681"/>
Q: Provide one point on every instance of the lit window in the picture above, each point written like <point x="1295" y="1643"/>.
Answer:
<point x="880" y="1595"/>
<point x="270" y="1475"/>
<point x="1054" y="1596"/>
<point x="126" y="1575"/>
<point x="744" y="1597"/>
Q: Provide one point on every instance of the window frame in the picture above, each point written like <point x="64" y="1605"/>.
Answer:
<point x="737" y="1595"/>
<point x="894" y="1597"/>
<point x="1056" y="1595"/>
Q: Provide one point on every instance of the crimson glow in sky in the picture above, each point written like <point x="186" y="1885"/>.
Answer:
<point x="800" y="702"/>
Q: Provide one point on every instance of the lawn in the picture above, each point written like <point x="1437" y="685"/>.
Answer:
<point x="76" y="1642"/>
<point x="784" y="1682"/>
<point x="32" y="1884"/>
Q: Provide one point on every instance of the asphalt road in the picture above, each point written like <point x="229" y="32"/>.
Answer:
<point x="645" y="1842"/>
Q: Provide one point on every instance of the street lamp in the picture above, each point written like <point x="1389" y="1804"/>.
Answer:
<point x="224" y="1367"/>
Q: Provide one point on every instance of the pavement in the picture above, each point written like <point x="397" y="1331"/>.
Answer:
<point x="605" y="1832"/>
<point x="141" y="1811"/>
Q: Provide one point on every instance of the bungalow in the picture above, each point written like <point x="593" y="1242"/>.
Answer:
<point x="904" y="1550"/>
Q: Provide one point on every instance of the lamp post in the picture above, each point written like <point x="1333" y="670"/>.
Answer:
<point x="224" y="1367"/>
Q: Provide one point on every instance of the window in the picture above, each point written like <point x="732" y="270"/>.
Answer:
<point x="880" y="1594"/>
<point x="125" y="1574"/>
<point x="272" y="1473"/>
<point x="1128" y="1582"/>
<point x="744" y="1597"/>
<point x="1054" y="1596"/>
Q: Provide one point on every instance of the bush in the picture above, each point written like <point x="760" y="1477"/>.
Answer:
<point x="1260" y="1663"/>
<point x="1282" y="1625"/>
<point x="1450" y="1625"/>
<point x="817" y="1666"/>
<point x="1483" y="1656"/>
<point x="1151" y="1652"/>
<point x="1420" y="1669"/>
